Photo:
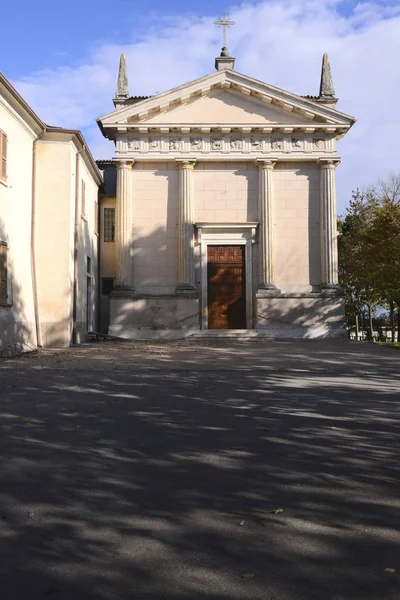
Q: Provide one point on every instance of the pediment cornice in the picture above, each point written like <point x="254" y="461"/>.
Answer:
<point x="307" y="114"/>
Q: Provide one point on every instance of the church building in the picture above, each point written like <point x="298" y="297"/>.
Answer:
<point x="218" y="215"/>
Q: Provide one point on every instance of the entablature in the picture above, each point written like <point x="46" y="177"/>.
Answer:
<point x="242" y="143"/>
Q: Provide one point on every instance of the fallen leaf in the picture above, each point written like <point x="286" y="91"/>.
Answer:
<point x="276" y="511"/>
<point x="248" y="575"/>
<point x="390" y="570"/>
<point x="241" y="523"/>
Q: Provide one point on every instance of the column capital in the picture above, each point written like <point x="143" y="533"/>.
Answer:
<point x="329" y="163"/>
<point x="266" y="163"/>
<point x="186" y="163"/>
<point x="123" y="163"/>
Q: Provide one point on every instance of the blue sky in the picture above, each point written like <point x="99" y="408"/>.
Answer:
<point x="63" y="58"/>
<point x="53" y="32"/>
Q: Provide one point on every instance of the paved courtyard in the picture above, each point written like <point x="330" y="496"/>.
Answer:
<point x="217" y="469"/>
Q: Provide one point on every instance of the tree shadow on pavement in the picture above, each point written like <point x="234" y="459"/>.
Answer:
<point x="123" y="483"/>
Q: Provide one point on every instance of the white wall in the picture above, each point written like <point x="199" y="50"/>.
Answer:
<point x="87" y="247"/>
<point x="17" y="321"/>
<point x="155" y="214"/>
<point x="297" y="226"/>
<point x="55" y="241"/>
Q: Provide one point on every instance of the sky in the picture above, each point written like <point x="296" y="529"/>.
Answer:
<point x="63" y="59"/>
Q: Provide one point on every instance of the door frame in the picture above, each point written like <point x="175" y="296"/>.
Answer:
<point x="226" y="234"/>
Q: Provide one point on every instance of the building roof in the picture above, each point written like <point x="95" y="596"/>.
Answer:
<point x="40" y="128"/>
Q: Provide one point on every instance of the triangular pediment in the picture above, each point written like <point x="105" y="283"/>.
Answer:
<point x="224" y="98"/>
<point x="223" y="107"/>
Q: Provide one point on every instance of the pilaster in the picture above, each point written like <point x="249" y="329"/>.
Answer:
<point x="328" y="224"/>
<point x="123" y="226"/>
<point x="266" y="228"/>
<point x="186" y="283"/>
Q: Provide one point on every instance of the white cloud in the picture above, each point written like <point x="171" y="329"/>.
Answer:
<point x="278" y="41"/>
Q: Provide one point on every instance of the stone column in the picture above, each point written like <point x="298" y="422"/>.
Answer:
<point x="185" y="227"/>
<point x="123" y="226"/>
<point x="266" y="236"/>
<point x="328" y="224"/>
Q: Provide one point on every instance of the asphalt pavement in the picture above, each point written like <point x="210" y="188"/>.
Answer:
<point x="243" y="470"/>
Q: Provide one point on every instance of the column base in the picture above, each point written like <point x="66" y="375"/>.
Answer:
<point x="331" y="289"/>
<point x="185" y="289"/>
<point x="123" y="291"/>
<point x="267" y="289"/>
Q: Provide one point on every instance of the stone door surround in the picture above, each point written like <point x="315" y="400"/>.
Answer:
<point x="226" y="234"/>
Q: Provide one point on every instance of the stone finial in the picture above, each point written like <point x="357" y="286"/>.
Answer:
<point x="224" y="62"/>
<point x="326" y="88"/>
<point x="122" y="85"/>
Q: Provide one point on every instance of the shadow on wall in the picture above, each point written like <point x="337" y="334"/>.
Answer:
<point x="306" y="317"/>
<point x="17" y="335"/>
<point x="87" y="287"/>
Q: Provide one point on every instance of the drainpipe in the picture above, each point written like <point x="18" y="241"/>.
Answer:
<point x="33" y="243"/>
<point x="76" y="242"/>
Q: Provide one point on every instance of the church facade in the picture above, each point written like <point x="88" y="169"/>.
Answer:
<point x="219" y="215"/>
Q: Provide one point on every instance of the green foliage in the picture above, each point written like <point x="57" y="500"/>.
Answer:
<point x="369" y="249"/>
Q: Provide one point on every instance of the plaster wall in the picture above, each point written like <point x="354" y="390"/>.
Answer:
<point x="297" y="226"/>
<point x="17" y="325"/>
<point x="155" y="214"/>
<point x="56" y="185"/>
<point x="55" y="193"/>
<point x="225" y="192"/>
<point x="86" y="310"/>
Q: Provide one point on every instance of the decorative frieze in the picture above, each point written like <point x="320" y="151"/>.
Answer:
<point x="216" y="143"/>
<point x="236" y="143"/>
<point x="226" y="143"/>
<point x="196" y="143"/>
<point x="256" y="144"/>
<point x="319" y="143"/>
<point x="133" y="144"/>
<point x="277" y="144"/>
<point x="154" y="144"/>
<point x="175" y="144"/>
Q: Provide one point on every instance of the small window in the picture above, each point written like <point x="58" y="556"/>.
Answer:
<point x="3" y="273"/>
<point x="83" y="198"/>
<point x="3" y="155"/>
<point x="109" y="224"/>
<point x="107" y="285"/>
<point x="89" y="265"/>
<point x="96" y="217"/>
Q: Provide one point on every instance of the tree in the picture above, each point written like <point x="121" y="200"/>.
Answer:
<point x="369" y="252"/>
<point x="355" y="254"/>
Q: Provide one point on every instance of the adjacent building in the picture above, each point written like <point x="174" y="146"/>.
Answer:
<point x="48" y="230"/>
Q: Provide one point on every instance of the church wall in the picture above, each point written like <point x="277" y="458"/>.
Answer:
<point x="225" y="192"/>
<point x="155" y="214"/>
<point x="17" y="321"/>
<point x="297" y="229"/>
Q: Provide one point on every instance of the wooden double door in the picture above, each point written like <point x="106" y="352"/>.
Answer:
<point x="226" y="287"/>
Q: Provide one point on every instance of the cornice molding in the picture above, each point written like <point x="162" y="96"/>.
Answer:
<point x="237" y="83"/>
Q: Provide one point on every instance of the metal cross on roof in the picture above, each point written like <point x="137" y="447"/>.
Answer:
<point x="224" y="23"/>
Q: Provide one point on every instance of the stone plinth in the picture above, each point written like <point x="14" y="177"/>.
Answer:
<point x="310" y="316"/>
<point x="154" y="316"/>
